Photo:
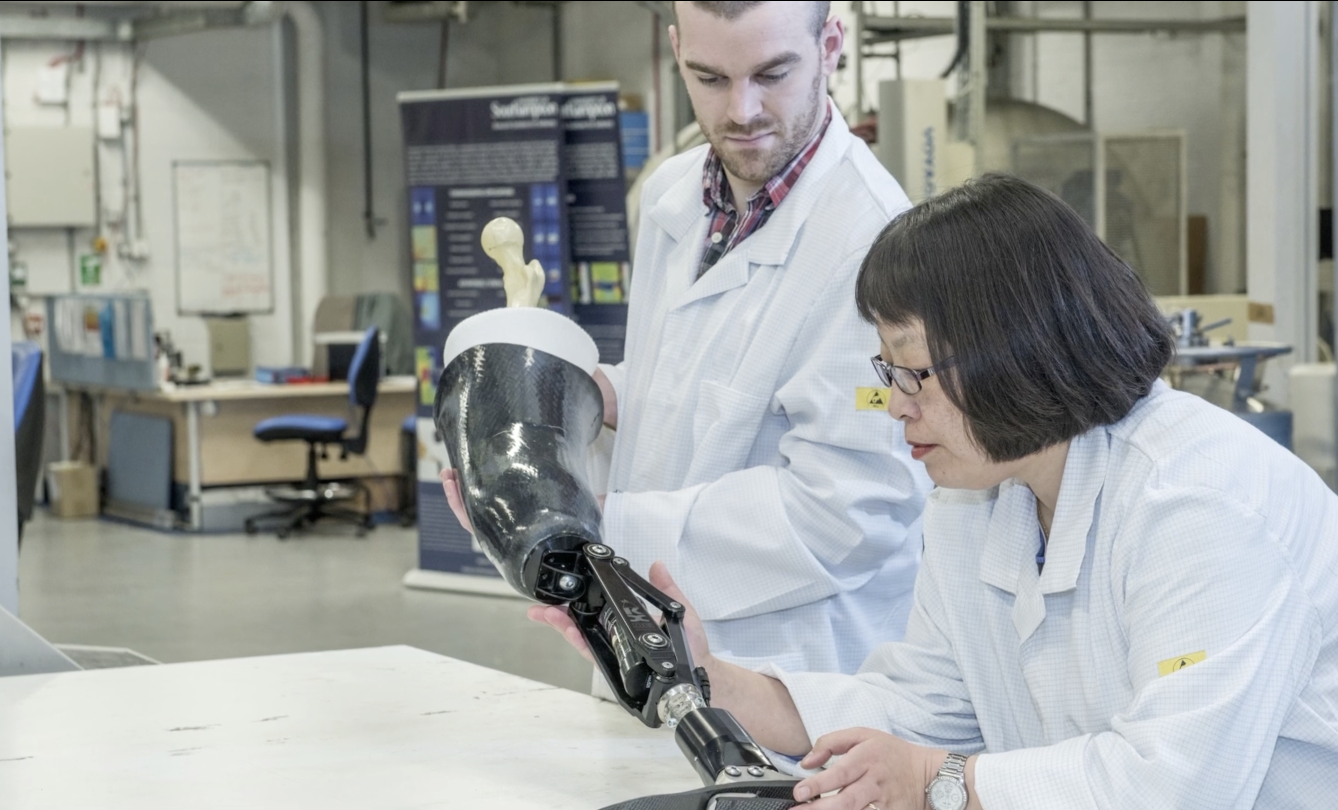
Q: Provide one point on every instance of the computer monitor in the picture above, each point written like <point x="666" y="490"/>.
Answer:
<point x="229" y="346"/>
<point x="335" y="350"/>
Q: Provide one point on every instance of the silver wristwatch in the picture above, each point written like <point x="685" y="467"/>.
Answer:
<point x="948" y="790"/>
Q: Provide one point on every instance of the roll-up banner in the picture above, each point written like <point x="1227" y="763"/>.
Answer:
<point x="549" y="156"/>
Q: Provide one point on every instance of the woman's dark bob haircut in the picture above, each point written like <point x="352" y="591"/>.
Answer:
<point x="1052" y="333"/>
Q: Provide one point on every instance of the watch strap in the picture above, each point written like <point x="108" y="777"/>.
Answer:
<point x="954" y="767"/>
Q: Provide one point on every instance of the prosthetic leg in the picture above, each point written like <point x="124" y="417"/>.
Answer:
<point x="517" y="408"/>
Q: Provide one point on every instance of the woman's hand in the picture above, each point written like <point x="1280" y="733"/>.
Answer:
<point x="875" y="768"/>
<point x="659" y="577"/>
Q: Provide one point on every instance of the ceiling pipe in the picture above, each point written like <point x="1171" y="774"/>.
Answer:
<point x="313" y="227"/>
<point x="311" y="273"/>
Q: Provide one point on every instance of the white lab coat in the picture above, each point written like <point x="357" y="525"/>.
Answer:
<point x="1181" y="533"/>
<point x="740" y="458"/>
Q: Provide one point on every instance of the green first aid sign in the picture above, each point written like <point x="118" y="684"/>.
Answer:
<point x="90" y="270"/>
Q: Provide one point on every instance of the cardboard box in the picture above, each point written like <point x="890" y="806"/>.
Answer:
<point x="73" y="487"/>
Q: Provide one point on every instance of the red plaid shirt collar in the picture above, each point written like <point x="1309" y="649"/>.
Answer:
<point x="727" y="229"/>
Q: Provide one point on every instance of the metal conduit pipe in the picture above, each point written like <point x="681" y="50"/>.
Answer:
<point x="313" y="227"/>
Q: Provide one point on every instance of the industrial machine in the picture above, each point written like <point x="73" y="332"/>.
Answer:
<point x="1227" y="375"/>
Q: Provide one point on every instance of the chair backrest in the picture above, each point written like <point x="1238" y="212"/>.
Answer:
<point x="364" y="372"/>
<point x="27" y="360"/>
<point x="388" y="312"/>
<point x="29" y="424"/>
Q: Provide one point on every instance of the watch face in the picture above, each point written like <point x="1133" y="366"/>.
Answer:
<point x="946" y="794"/>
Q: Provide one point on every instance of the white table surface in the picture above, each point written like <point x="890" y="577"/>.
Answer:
<point x="232" y="389"/>
<point x="390" y="727"/>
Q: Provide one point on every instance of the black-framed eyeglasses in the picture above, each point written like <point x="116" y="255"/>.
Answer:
<point x="909" y="380"/>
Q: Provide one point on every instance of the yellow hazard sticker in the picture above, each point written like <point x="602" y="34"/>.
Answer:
<point x="871" y="399"/>
<point x="1180" y="662"/>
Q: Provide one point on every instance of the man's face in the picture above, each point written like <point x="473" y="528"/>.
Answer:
<point x="757" y="83"/>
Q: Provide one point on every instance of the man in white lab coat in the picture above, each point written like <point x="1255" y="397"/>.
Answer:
<point x="751" y="451"/>
<point x="750" y="456"/>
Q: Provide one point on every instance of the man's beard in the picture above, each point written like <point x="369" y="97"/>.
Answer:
<point x="759" y="166"/>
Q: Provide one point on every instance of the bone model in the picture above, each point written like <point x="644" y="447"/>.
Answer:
<point x="504" y="241"/>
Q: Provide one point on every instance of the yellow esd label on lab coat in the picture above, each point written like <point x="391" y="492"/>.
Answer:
<point x="871" y="399"/>
<point x="1178" y="663"/>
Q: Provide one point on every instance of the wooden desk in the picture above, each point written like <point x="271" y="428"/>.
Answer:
<point x="218" y="420"/>
<point x="392" y="727"/>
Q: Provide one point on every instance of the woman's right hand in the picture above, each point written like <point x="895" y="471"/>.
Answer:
<point x="693" y="631"/>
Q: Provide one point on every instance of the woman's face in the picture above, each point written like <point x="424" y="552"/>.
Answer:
<point x="935" y="428"/>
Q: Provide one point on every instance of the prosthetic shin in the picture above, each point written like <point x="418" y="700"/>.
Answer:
<point x="517" y="422"/>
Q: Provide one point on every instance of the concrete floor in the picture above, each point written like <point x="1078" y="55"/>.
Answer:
<point x="181" y="597"/>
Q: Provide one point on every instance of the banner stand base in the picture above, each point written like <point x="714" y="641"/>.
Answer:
<point x="423" y="579"/>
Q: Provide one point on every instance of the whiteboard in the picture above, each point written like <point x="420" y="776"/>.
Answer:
<point x="224" y="261"/>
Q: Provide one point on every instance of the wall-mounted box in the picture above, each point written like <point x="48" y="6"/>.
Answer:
<point x="912" y="134"/>
<point x="1313" y="400"/>
<point x="49" y="177"/>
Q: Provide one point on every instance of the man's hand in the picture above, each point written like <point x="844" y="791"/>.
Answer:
<point x="693" y="631"/>
<point x="874" y="768"/>
<point x="450" y="483"/>
<point x="762" y="704"/>
<point x="559" y="620"/>
<point x="610" y="398"/>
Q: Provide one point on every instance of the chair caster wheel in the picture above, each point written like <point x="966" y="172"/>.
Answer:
<point x="283" y="533"/>
<point x="250" y="527"/>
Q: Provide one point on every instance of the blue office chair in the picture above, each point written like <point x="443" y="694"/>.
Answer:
<point x="408" y="505"/>
<point x="314" y="499"/>
<point x="29" y="425"/>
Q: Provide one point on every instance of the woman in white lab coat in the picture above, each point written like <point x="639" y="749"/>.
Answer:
<point x="1129" y="597"/>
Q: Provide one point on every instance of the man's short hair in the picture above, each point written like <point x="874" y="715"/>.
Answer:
<point x="733" y="9"/>
<point x="1052" y="333"/>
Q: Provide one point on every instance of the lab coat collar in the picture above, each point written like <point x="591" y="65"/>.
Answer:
<point x="1079" y="493"/>
<point x="772" y="244"/>
<point x="730" y="271"/>
<point x="1011" y="539"/>
<point x="1009" y="559"/>
<point x="681" y="207"/>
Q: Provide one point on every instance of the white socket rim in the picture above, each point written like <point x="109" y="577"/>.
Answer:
<point x="531" y="327"/>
